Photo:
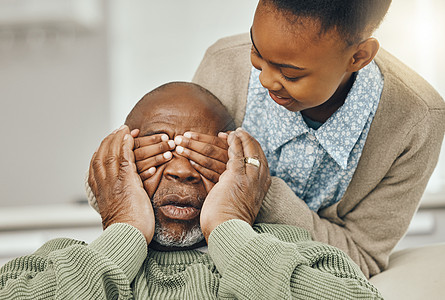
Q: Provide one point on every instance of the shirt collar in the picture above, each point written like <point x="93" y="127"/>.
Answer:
<point x="339" y="134"/>
<point x="286" y="125"/>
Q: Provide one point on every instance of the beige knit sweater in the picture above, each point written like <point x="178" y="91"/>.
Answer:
<point x="399" y="156"/>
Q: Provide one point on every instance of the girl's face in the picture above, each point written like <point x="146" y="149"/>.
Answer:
<point x="301" y="69"/>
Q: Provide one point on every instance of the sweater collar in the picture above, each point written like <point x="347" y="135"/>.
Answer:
<point x="166" y="258"/>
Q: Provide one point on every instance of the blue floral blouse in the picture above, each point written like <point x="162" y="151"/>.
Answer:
<point x="317" y="164"/>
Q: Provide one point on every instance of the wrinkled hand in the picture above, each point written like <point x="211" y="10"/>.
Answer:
<point x="207" y="154"/>
<point x="117" y="186"/>
<point x="241" y="188"/>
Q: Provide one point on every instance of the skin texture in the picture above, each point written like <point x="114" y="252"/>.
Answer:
<point x="178" y="191"/>
<point x="241" y="188"/>
<point x="116" y="185"/>
<point x="322" y="66"/>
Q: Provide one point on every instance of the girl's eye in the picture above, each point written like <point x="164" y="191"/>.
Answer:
<point x="292" y="79"/>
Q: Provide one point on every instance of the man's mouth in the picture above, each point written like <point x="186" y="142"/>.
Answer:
<point x="179" y="208"/>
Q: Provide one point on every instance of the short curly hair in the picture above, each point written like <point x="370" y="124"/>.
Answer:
<point x="350" y="18"/>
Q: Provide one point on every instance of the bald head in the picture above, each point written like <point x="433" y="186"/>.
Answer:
<point x="194" y="101"/>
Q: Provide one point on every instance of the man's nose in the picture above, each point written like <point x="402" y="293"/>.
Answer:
<point x="180" y="169"/>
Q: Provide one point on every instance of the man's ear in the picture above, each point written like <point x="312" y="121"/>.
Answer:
<point x="364" y="53"/>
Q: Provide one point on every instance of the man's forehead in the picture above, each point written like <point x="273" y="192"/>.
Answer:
<point x="176" y="123"/>
<point x="178" y="109"/>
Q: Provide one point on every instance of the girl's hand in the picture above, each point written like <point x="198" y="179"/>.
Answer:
<point x="151" y="152"/>
<point x="208" y="154"/>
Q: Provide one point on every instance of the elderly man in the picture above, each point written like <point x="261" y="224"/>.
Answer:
<point x="176" y="209"/>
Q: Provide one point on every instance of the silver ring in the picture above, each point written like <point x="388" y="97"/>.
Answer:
<point x="252" y="161"/>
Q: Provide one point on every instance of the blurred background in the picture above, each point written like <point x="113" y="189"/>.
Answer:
<point x="71" y="70"/>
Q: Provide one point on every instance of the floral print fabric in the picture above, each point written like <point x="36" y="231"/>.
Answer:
<point x="316" y="164"/>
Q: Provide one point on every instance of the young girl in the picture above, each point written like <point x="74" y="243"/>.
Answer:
<point x="350" y="133"/>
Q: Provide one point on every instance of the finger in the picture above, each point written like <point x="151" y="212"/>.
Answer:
<point x="128" y="156"/>
<point x="253" y="149"/>
<point x="153" y="161"/>
<point x="134" y="133"/>
<point x="150" y="140"/>
<point x="127" y="148"/>
<point x="91" y="179"/>
<point x="147" y="173"/>
<point x="101" y="157"/>
<point x="116" y="140"/>
<point x="152" y="150"/>
<point x="204" y="161"/>
<point x="236" y="154"/>
<point x="207" y="139"/>
<point x="223" y="135"/>
<point x="204" y="148"/>
<point x="207" y="173"/>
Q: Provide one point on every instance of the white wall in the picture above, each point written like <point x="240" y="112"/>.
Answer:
<point x="54" y="110"/>
<point x="154" y="42"/>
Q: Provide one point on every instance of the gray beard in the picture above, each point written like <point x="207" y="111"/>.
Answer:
<point x="164" y="237"/>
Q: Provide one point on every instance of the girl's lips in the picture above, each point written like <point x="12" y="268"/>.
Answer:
<point x="177" y="212"/>
<point x="280" y="100"/>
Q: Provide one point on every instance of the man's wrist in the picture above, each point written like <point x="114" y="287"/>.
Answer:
<point x="217" y="221"/>
<point x="226" y="240"/>
<point x="146" y="230"/>
<point x="123" y="244"/>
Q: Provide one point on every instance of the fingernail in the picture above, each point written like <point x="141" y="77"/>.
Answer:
<point x="178" y="140"/>
<point x="122" y="127"/>
<point x="167" y="155"/>
<point x="126" y="137"/>
<point x="192" y="162"/>
<point x="171" y="144"/>
<point x="164" y="137"/>
<point x="223" y="135"/>
<point x="152" y="170"/>
<point x="188" y="135"/>
<point x="239" y="129"/>
<point x="179" y="149"/>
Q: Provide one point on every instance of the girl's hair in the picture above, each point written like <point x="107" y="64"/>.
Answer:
<point x="350" y="18"/>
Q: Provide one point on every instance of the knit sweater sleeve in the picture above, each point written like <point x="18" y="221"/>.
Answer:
<point x="68" y="269"/>
<point x="281" y="262"/>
